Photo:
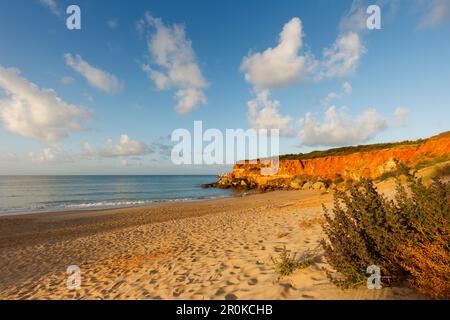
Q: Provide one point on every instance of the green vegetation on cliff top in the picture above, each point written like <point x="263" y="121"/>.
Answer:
<point x="342" y="151"/>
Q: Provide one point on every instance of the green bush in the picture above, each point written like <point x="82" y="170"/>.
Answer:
<point x="402" y="169"/>
<point x="339" y="179"/>
<point x="342" y="151"/>
<point x="367" y="229"/>
<point x="287" y="262"/>
<point x="443" y="171"/>
<point x="431" y="162"/>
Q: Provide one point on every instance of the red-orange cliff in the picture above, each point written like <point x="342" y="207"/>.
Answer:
<point x="351" y="166"/>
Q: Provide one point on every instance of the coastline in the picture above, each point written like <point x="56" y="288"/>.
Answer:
<point x="211" y="249"/>
<point x="39" y="194"/>
<point x="106" y="208"/>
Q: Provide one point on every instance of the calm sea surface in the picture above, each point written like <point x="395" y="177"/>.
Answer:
<point x="58" y="193"/>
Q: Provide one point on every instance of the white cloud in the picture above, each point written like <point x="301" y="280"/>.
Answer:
<point x="66" y="80"/>
<point x="113" y="23"/>
<point x="283" y="64"/>
<point x="355" y="19"/>
<point x="275" y="67"/>
<point x="98" y="78"/>
<point x="346" y="90"/>
<point x="47" y="155"/>
<point x="401" y="114"/>
<point x="50" y="154"/>
<point x="36" y="113"/>
<point x="263" y="114"/>
<point x="342" y="58"/>
<point x="339" y="128"/>
<point x="188" y="99"/>
<point x="126" y="147"/>
<point x="436" y="12"/>
<point x="280" y="65"/>
<point x="52" y="6"/>
<point x="331" y="96"/>
<point x="172" y="52"/>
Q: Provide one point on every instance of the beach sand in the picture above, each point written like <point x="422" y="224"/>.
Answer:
<point x="215" y="249"/>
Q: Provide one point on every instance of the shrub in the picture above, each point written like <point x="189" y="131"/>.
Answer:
<point x="287" y="263"/>
<point x="428" y="265"/>
<point x="402" y="169"/>
<point x="407" y="237"/>
<point x="339" y="179"/>
<point x="443" y="171"/>
<point x="327" y="182"/>
<point x="342" y="151"/>
<point x="431" y="162"/>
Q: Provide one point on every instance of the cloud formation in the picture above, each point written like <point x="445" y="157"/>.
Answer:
<point x="355" y="19"/>
<point x="278" y="66"/>
<point x="126" y="147"/>
<point x="46" y="156"/>
<point x="342" y="58"/>
<point x="270" y="69"/>
<point x="340" y="129"/>
<point x="98" y="78"/>
<point x="285" y="63"/>
<point x="346" y="90"/>
<point x="52" y="6"/>
<point x="171" y="51"/>
<point x="263" y="114"/>
<point x="36" y="113"/>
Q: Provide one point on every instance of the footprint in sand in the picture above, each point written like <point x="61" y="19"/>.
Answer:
<point x="252" y="281"/>
<point x="231" y="296"/>
<point x="220" y="292"/>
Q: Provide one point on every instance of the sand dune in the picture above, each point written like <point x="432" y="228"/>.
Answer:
<point x="218" y="249"/>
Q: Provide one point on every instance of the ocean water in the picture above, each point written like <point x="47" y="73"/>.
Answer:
<point x="28" y="194"/>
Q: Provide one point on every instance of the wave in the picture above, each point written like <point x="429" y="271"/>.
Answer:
<point x="96" y="205"/>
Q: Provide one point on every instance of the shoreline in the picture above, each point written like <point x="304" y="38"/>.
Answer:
<point x="150" y="204"/>
<point x="236" y="193"/>
<point x="212" y="249"/>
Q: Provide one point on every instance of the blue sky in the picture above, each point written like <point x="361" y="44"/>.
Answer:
<point x="108" y="114"/>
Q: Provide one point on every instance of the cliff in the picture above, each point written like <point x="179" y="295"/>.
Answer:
<point x="320" y="169"/>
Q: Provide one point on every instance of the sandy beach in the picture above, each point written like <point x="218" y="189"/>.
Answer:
<point x="215" y="249"/>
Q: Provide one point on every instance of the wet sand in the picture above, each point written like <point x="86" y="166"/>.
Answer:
<point x="215" y="249"/>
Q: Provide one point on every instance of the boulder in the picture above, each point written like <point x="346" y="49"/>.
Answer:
<point x="319" y="185"/>
<point x="307" y="186"/>
<point x="295" y="185"/>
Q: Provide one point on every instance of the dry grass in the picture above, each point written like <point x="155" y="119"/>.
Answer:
<point x="429" y="266"/>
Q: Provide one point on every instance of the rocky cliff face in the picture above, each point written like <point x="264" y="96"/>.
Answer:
<point x="320" y="172"/>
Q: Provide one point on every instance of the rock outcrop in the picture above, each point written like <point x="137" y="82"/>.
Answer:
<point x="322" y="172"/>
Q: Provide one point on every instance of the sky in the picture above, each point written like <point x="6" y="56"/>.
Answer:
<point x="105" y="99"/>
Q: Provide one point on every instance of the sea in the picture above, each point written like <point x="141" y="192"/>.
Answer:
<point x="33" y="194"/>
